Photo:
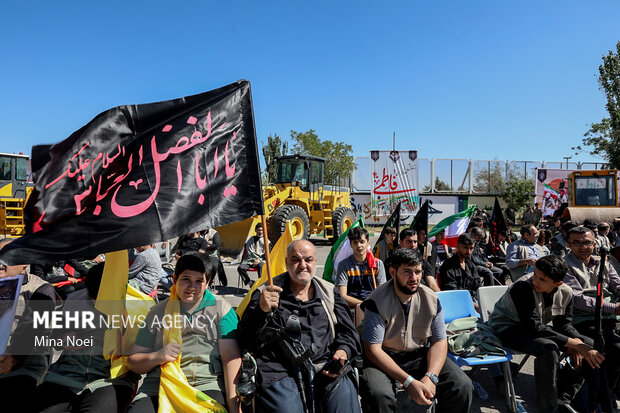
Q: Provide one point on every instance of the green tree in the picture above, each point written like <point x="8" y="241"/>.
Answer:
<point x="490" y="178"/>
<point x="274" y="147"/>
<point x="604" y="137"/>
<point x="340" y="163"/>
<point x="518" y="193"/>
<point x="439" y="186"/>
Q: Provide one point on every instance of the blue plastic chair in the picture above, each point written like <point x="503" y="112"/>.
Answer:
<point x="458" y="304"/>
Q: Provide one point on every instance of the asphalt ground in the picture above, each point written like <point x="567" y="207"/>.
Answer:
<point x="495" y="403"/>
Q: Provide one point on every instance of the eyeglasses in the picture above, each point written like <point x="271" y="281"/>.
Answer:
<point x="582" y="244"/>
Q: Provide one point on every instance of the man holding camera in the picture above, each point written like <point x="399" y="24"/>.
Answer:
<point x="300" y="332"/>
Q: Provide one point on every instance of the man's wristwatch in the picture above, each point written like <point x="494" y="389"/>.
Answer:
<point x="433" y="377"/>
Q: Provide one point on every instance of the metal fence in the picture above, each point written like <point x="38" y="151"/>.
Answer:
<point x="466" y="176"/>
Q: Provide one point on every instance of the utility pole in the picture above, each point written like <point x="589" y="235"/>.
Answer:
<point x="567" y="158"/>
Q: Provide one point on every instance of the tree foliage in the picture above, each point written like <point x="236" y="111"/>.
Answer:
<point x="340" y="164"/>
<point x="439" y="186"/>
<point x="604" y="137"/>
<point x="274" y="147"/>
<point x="518" y="193"/>
<point x="490" y="179"/>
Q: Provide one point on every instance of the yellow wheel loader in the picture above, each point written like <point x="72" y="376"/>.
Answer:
<point x="300" y="196"/>
<point x="594" y="195"/>
<point x="15" y="188"/>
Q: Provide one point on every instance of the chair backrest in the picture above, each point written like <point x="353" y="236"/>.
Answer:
<point x="456" y="304"/>
<point x="487" y="297"/>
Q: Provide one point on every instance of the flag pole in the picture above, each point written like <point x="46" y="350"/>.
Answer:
<point x="267" y="252"/>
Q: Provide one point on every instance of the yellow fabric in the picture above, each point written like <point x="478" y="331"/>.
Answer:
<point x="113" y="286"/>
<point x="117" y="297"/>
<point x="175" y="393"/>
<point x="110" y="301"/>
<point x="278" y="266"/>
<point x="137" y="306"/>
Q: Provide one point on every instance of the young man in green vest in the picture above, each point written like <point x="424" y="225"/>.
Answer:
<point x="209" y="352"/>
<point x="405" y="343"/>
<point x="534" y="316"/>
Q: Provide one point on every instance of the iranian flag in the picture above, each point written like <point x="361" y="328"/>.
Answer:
<point x="454" y="225"/>
<point x="340" y="250"/>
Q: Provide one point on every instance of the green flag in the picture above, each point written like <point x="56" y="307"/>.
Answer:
<point x="454" y="225"/>
<point x="340" y="250"/>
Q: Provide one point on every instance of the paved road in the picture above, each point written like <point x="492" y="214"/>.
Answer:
<point x="524" y="381"/>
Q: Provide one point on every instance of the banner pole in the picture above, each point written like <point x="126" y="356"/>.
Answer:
<point x="267" y="252"/>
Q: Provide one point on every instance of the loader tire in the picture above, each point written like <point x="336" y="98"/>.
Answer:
<point x="342" y="219"/>
<point x="299" y="222"/>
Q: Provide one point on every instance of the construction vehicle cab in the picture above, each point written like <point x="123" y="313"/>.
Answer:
<point x="303" y="171"/>
<point x="15" y="187"/>
<point x="593" y="194"/>
<point x="298" y="195"/>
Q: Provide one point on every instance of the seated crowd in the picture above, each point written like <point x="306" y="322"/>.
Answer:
<point x="299" y="341"/>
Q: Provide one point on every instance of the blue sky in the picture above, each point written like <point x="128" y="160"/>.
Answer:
<point x="453" y="79"/>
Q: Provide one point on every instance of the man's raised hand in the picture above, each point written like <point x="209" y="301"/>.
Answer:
<point x="270" y="298"/>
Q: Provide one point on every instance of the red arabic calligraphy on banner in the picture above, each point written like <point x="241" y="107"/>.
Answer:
<point x="105" y="174"/>
<point x="138" y="174"/>
<point x="388" y="185"/>
<point x="394" y="181"/>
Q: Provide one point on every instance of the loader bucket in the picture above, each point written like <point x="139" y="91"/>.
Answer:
<point x="598" y="214"/>
<point x="233" y="236"/>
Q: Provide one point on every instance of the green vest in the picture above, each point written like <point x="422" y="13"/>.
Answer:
<point x="200" y="354"/>
<point x="505" y="315"/>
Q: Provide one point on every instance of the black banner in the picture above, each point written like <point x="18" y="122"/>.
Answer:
<point x="139" y="174"/>
<point x="420" y="221"/>
<point x="392" y="221"/>
<point x="497" y="225"/>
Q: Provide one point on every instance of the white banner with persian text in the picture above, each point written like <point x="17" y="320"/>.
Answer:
<point x="394" y="180"/>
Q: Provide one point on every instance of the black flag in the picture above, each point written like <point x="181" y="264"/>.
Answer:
<point x="497" y="225"/>
<point x="392" y="221"/>
<point x="600" y="390"/>
<point x="139" y="174"/>
<point x="420" y="221"/>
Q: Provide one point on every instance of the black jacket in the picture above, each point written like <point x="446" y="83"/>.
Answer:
<point x="479" y="256"/>
<point x="315" y="330"/>
<point x="453" y="277"/>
